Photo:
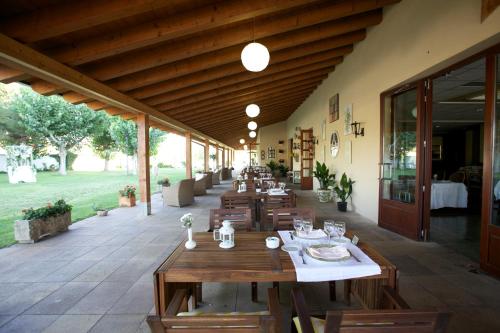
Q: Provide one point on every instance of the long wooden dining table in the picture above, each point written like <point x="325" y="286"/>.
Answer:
<point x="250" y="261"/>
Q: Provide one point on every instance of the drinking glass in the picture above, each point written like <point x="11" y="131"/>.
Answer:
<point x="329" y="229"/>
<point x="297" y="224"/>
<point x="340" y="226"/>
<point x="282" y="186"/>
<point x="307" y="226"/>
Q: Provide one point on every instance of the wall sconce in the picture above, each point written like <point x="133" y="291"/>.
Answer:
<point x="357" y="129"/>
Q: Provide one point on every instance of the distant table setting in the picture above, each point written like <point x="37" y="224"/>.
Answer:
<point x="445" y="193"/>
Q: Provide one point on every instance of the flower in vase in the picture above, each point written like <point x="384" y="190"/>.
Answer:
<point x="187" y="220"/>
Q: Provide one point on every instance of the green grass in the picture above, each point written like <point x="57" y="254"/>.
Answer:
<point x="80" y="189"/>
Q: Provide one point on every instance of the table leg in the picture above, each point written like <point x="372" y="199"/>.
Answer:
<point x="255" y="292"/>
<point x="347" y="292"/>
<point x="333" y="291"/>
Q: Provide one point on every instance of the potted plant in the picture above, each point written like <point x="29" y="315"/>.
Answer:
<point x="43" y="221"/>
<point x="283" y="170"/>
<point x="344" y="191"/>
<point x="274" y="168"/>
<point x="127" y="196"/>
<point x="187" y="222"/>
<point x="325" y="178"/>
<point x="163" y="183"/>
<point x="100" y="211"/>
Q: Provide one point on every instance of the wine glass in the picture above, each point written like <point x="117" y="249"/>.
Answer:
<point x="307" y="226"/>
<point x="297" y="224"/>
<point x="329" y="228"/>
<point x="340" y="227"/>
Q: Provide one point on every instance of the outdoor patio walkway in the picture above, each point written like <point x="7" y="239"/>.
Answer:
<point x="98" y="276"/>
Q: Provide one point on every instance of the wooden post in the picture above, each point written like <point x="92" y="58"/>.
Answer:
<point x="207" y="154"/>
<point x="189" y="162"/>
<point x="216" y="156"/>
<point x="223" y="157"/>
<point x="143" y="161"/>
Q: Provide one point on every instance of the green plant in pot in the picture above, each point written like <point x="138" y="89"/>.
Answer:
<point x="274" y="167"/>
<point x="344" y="191"/>
<point x="283" y="170"/>
<point x="325" y="178"/>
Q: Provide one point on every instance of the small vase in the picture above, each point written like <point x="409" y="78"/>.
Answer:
<point x="190" y="244"/>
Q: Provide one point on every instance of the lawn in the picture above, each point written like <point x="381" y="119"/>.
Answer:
<point x="80" y="189"/>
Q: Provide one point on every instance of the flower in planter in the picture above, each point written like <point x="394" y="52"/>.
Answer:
<point x="187" y="220"/>
<point x="128" y="191"/>
<point x="59" y="208"/>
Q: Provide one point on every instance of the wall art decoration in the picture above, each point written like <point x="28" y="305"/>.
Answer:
<point x="262" y="155"/>
<point x="333" y="108"/>
<point x="271" y="153"/>
<point x="334" y="144"/>
<point x="348" y="119"/>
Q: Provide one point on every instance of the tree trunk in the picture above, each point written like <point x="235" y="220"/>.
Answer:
<point x="62" y="160"/>
<point x="106" y="161"/>
<point x="126" y="163"/>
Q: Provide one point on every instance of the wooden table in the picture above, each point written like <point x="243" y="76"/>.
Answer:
<point x="249" y="261"/>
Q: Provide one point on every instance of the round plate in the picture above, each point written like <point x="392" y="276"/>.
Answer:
<point x="290" y="248"/>
<point x="324" y="259"/>
<point x="308" y="238"/>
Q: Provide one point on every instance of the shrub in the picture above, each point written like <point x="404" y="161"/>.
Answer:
<point x="128" y="191"/>
<point x="164" y="165"/>
<point x="164" y="182"/>
<point x="59" y="208"/>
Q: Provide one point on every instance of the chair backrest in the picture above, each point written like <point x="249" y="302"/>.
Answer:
<point x="240" y="218"/>
<point x="274" y="201"/>
<point x="171" y="322"/>
<point x="283" y="217"/>
<point x="236" y="201"/>
<point x="457" y="177"/>
<point x="250" y="184"/>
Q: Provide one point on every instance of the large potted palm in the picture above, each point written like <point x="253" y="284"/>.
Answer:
<point x="325" y="178"/>
<point x="344" y="191"/>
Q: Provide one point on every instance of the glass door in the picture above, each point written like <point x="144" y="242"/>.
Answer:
<point x="490" y="231"/>
<point x="400" y="171"/>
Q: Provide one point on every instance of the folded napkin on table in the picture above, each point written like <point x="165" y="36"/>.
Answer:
<point x="331" y="253"/>
<point x="317" y="233"/>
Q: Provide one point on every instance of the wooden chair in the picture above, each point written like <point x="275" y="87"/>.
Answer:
<point x="241" y="218"/>
<point x="177" y="320"/>
<point x="283" y="217"/>
<point x="272" y="202"/>
<point x="457" y="177"/>
<point x="250" y="184"/>
<point x="396" y="317"/>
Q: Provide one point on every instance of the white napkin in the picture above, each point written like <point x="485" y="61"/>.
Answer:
<point x="329" y="253"/>
<point x="317" y="233"/>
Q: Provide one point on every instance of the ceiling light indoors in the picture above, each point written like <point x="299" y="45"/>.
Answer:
<point x="255" y="57"/>
<point x="252" y="134"/>
<point x="245" y="147"/>
<point x="252" y="125"/>
<point x="252" y="110"/>
<point x="242" y="141"/>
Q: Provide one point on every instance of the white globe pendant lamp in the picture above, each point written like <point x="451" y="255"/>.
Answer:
<point x="252" y="110"/>
<point x="255" y="57"/>
<point x="242" y="141"/>
<point x="252" y="125"/>
<point x="245" y="147"/>
<point x="252" y="134"/>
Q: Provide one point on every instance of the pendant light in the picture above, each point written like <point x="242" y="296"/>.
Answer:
<point x="252" y="125"/>
<point x="242" y="141"/>
<point x="252" y="134"/>
<point x="252" y="110"/>
<point x="255" y="56"/>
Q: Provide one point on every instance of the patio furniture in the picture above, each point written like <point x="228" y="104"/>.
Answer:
<point x="179" y="194"/>
<point x="209" y="179"/>
<point x="238" y="202"/>
<point x="241" y="218"/>
<point x="200" y="186"/>
<point x="283" y="217"/>
<point x="448" y="194"/>
<point x="216" y="177"/>
<point x="176" y="319"/>
<point x="270" y="203"/>
<point x="225" y="173"/>
<point x="396" y="316"/>
<point x="250" y="261"/>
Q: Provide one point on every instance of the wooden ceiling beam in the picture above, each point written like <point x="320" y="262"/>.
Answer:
<point x="166" y="28"/>
<point x="264" y="104"/>
<point x="46" y="88"/>
<point x="69" y="16"/>
<point x="227" y="61"/>
<point x="96" y="105"/>
<point x="112" y="111"/>
<point x="140" y="60"/>
<point x="18" y="56"/>
<point x="326" y="59"/>
<point x="76" y="98"/>
<point x="236" y="90"/>
<point x="270" y="88"/>
<point x="9" y="75"/>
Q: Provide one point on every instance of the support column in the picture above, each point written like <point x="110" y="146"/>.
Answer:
<point x="223" y="157"/>
<point x="207" y="155"/>
<point x="216" y="156"/>
<point x="143" y="161"/>
<point x="189" y="161"/>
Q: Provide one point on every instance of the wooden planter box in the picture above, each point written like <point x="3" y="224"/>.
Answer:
<point x="127" y="201"/>
<point x="30" y="231"/>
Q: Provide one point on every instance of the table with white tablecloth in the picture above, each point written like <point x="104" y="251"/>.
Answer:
<point x="448" y="194"/>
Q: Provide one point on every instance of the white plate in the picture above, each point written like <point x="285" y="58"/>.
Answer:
<point x="290" y="248"/>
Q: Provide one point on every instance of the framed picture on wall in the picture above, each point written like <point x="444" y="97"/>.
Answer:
<point x="348" y="119"/>
<point x="262" y="155"/>
<point x="333" y="108"/>
<point x="271" y="153"/>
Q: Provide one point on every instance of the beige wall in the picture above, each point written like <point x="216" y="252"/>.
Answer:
<point x="269" y="136"/>
<point x="415" y="38"/>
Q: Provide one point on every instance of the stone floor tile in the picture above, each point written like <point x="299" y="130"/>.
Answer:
<point x="73" y="324"/>
<point x="118" y="323"/>
<point x="101" y="299"/>
<point x="26" y="297"/>
<point x="70" y="271"/>
<point x="99" y="271"/>
<point x="137" y="300"/>
<point x="28" y="324"/>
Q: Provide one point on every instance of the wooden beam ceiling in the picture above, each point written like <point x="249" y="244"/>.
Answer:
<point x="179" y="60"/>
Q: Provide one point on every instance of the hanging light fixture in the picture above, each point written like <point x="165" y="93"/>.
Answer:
<point x="252" y="110"/>
<point x="245" y="147"/>
<point x="255" y="57"/>
<point x="242" y="141"/>
<point x="252" y="125"/>
<point x="252" y="134"/>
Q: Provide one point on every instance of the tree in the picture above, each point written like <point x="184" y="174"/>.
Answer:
<point x="102" y="141"/>
<point x="124" y="133"/>
<point x="62" y="124"/>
